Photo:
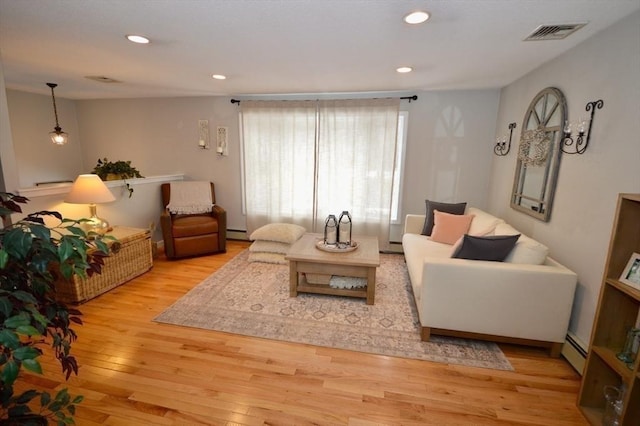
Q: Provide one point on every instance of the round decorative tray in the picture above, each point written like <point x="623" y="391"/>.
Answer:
<point x="336" y="248"/>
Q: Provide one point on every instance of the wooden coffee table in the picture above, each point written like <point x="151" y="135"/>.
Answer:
<point x="305" y="258"/>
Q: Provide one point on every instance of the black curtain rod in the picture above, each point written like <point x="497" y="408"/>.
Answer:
<point x="409" y="98"/>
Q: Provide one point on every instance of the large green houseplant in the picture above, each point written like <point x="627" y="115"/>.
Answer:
<point x="113" y="170"/>
<point x="33" y="256"/>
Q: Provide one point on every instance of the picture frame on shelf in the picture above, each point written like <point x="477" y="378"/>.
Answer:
<point x="631" y="273"/>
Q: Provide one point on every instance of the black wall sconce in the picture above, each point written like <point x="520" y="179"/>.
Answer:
<point x="579" y="145"/>
<point x="501" y="147"/>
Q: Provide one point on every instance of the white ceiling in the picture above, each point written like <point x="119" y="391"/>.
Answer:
<point x="282" y="46"/>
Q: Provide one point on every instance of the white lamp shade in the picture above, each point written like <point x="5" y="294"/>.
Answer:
<point x="89" y="189"/>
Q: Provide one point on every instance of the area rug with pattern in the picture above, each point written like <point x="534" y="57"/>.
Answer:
<point x="252" y="299"/>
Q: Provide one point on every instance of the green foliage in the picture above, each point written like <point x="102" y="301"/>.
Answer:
<point x="121" y="169"/>
<point x="33" y="256"/>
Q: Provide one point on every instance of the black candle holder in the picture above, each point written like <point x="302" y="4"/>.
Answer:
<point x="579" y="145"/>
<point x="501" y="147"/>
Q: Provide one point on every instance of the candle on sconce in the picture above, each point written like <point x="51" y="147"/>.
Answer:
<point x="582" y="126"/>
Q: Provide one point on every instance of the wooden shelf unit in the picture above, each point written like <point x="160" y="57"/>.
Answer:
<point x="618" y="309"/>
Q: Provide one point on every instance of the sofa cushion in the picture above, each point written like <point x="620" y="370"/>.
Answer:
<point x="416" y="248"/>
<point x="527" y="250"/>
<point x="494" y="248"/>
<point x="448" y="227"/>
<point x="483" y="223"/>
<point x="457" y="208"/>
<point x="194" y="225"/>
<point x="279" y="232"/>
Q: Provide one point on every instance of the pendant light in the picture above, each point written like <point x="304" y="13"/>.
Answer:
<point x="58" y="137"/>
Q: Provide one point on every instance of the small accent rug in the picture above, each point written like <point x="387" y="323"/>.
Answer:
<point x="252" y="299"/>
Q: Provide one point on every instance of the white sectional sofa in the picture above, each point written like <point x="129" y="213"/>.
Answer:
<point x="526" y="299"/>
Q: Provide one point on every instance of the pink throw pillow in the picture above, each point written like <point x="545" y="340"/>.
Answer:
<point x="448" y="228"/>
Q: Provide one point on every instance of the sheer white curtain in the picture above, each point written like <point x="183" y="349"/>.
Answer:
<point x="279" y="158"/>
<point x="304" y="160"/>
<point x="356" y="157"/>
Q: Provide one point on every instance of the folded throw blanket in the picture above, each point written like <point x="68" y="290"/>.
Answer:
<point x="191" y="197"/>
<point x="338" y="281"/>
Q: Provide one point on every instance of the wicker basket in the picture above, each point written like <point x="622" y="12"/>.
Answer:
<point x="133" y="259"/>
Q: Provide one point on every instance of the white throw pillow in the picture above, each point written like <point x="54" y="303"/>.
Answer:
<point x="483" y="223"/>
<point x="280" y="232"/>
<point x="527" y="250"/>
<point x="269" y="247"/>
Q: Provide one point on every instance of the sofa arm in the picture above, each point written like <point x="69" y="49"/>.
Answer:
<point x="413" y="223"/>
<point x="514" y="300"/>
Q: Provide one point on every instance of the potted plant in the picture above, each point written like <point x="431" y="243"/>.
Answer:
<point x="33" y="256"/>
<point x="114" y="170"/>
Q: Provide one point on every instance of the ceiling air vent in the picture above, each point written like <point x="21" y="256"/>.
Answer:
<point x="102" y="79"/>
<point x="553" y="32"/>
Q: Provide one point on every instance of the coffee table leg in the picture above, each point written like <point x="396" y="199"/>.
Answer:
<point x="293" y="278"/>
<point x="371" y="285"/>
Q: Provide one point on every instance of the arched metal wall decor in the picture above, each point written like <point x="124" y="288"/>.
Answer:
<point x="539" y="154"/>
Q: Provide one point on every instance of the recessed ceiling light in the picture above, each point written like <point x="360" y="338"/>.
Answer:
<point x="219" y="76"/>
<point x="404" y="69"/>
<point x="138" y="39"/>
<point x="417" y="17"/>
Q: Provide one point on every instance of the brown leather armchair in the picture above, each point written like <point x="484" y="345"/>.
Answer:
<point x="193" y="234"/>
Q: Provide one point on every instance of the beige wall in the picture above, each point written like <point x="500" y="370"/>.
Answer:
<point x="605" y="67"/>
<point x="448" y="147"/>
<point x="32" y="119"/>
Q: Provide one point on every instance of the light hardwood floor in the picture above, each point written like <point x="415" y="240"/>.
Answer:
<point x="137" y="372"/>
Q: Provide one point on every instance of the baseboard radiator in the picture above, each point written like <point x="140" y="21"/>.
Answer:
<point x="574" y="352"/>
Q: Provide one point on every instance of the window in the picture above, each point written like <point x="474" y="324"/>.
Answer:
<point x="398" y="171"/>
<point x="305" y="160"/>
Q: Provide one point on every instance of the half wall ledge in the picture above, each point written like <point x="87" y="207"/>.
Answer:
<point x="63" y="188"/>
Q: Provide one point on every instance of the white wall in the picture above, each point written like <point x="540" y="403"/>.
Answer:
<point x="39" y="160"/>
<point x="160" y="136"/>
<point x="9" y="178"/>
<point x="607" y="67"/>
<point x="448" y="148"/>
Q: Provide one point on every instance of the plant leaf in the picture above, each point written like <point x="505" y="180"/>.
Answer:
<point x="32" y="365"/>
<point x="4" y="257"/>
<point x="25" y="297"/>
<point x="5" y="306"/>
<point x="22" y="319"/>
<point x="9" y="372"/>
<point x="27" y="396"/>
<point x="25" y="353"/>
<point x="27" y="330"/>
<point x="9" y="339"/>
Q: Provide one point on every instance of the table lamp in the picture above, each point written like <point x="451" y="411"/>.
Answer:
<point x="90" y="189"/>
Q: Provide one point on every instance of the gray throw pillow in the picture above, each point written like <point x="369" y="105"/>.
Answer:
<point x="494" y="248"/>
<point x="455" y="208"/>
